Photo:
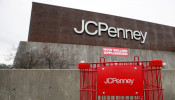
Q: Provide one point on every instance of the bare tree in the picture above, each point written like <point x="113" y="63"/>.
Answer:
<point x="5" y="66"/>
<point x="44" y="56"/>
<point x="47" y="55"/>
<point x="52" y="57"/>
<point x="27" y="59"/>
<point x="62" y="61"/>
<point x="11" y="54"/>
<point x="7" y="58"/>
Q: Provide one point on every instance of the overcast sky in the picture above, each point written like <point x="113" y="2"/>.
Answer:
<point x="15" y="15"/>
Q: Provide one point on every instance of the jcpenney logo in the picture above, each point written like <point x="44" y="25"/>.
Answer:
<point x="111" y="31"/>
<point x="119" y="81"/>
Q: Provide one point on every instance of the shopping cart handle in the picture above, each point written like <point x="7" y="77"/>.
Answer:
<point x="158" y="63"/>
<point x="83" y="65"/>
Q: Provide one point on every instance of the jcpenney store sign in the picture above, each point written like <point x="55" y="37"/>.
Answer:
<point x="112" y="32"/>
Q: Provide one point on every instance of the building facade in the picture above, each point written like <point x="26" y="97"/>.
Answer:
<point x="60" y="38"/>
<point x="81" y="35"/>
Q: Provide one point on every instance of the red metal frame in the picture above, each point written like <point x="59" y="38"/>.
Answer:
<point x="152" y="84"/>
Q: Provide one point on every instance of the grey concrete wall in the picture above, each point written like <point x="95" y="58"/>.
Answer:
<point x="56" y="84"/>
<point x="75" y="53"/>
<point x="39" y="85"/>
<point x="168" y="81"/>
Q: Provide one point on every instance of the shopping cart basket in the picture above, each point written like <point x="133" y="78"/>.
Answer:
<point x="126" y="80"/>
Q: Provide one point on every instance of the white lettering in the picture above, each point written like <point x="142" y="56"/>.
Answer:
<point x="100" y="24"/>
<point x="123" y="31"/>
<point x="143" y="37"/>
<point x="129" y="31"/>
<point x="111" y="31"/>
<point x="82" y="28"/>
<point x="137" y="35"/>
<point x="119" y="81"/>
<point x="86" y="29"/>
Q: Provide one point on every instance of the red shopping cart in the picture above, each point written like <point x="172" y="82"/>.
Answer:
<point x="126" y="80"/>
